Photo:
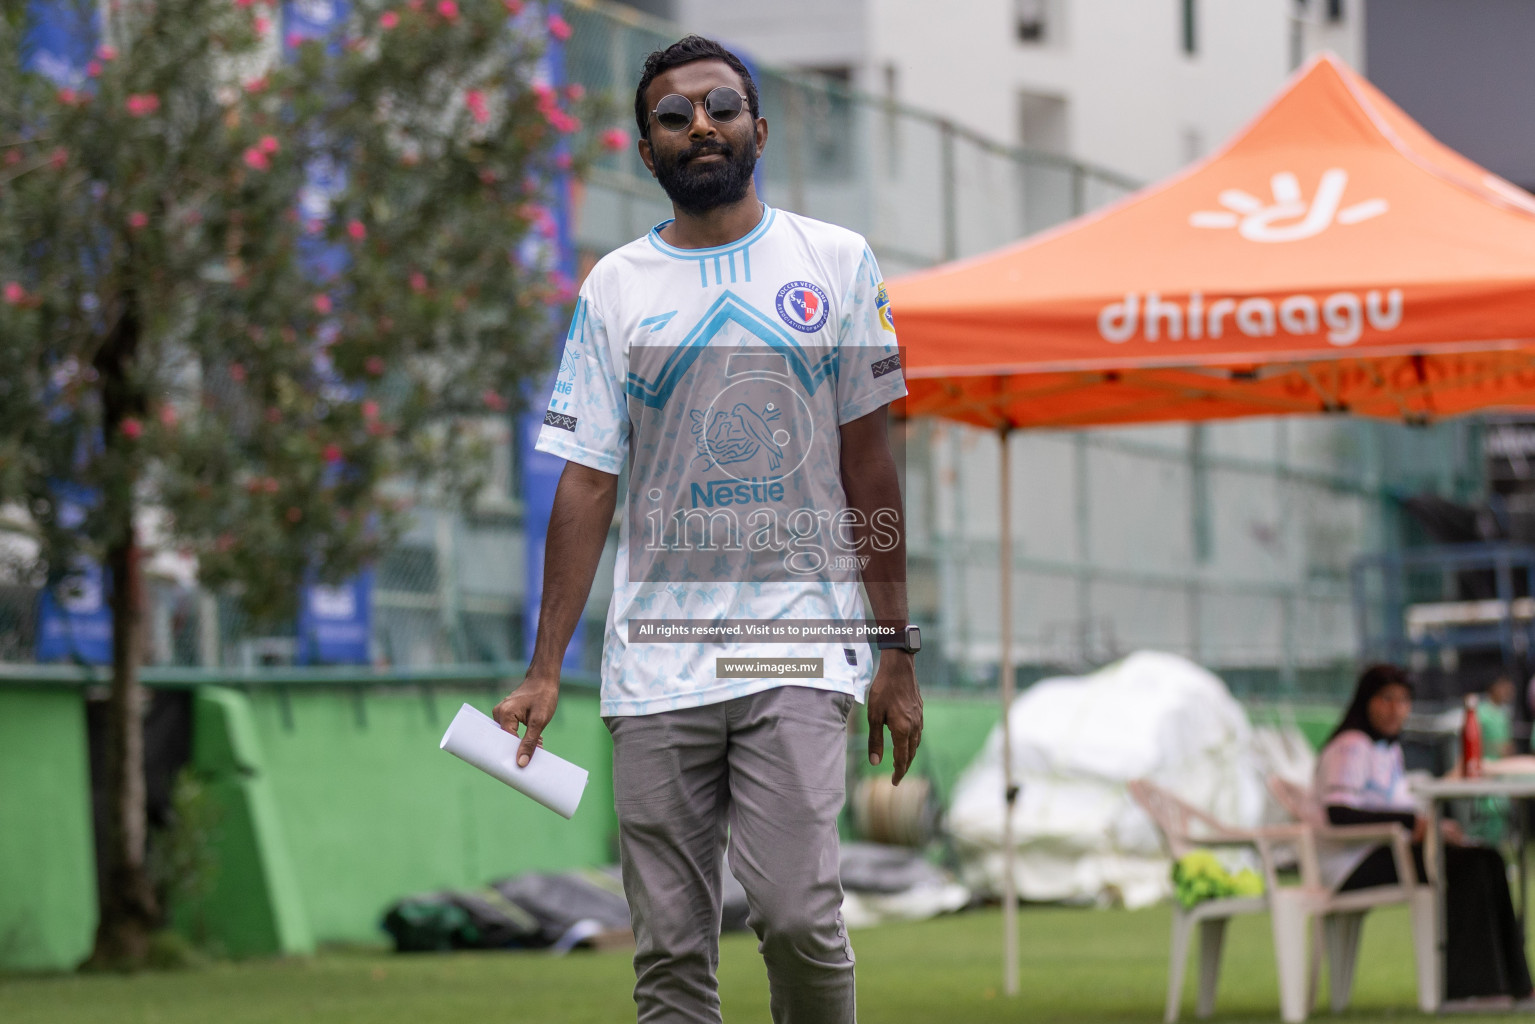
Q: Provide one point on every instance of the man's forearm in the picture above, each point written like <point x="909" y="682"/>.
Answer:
<point x="873" y="491"/>
<point x="578" y="529"/>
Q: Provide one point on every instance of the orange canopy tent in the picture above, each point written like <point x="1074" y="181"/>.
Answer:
<point x="1332" y="258"/>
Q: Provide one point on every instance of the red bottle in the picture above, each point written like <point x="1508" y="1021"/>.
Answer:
<point x="1471" y="741"/>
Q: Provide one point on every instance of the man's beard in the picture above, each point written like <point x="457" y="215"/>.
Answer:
<point x="699" y="188"/>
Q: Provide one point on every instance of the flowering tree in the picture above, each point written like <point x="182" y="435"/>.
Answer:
<point x="247" y="275"/>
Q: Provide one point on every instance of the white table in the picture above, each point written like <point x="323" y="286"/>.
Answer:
<point x="1434" y="792"/>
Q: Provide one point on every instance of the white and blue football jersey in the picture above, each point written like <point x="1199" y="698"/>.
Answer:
<point x="719" y="378"/>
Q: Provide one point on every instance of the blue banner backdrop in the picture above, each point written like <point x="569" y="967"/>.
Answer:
<point x="540" y="471"/>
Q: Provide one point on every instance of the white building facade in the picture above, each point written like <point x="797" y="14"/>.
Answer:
<point x="1139" y="86"/>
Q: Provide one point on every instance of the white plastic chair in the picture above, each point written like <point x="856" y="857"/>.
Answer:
<point x="1338" y="917"/>
<point x="1184" y="829"/>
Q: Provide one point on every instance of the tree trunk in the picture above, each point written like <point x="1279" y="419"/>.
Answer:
<point x="128" y="909"/>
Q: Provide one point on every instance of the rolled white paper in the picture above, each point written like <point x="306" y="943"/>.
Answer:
<point x="475" y="737"/>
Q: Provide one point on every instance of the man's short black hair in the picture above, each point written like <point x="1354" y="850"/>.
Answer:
<point x="686" y="51"/>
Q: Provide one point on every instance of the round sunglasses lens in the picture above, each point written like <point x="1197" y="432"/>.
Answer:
<point x="674" y="112"/>
<point x="723" y="104"/>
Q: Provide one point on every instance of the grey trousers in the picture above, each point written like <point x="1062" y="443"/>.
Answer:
<point x="770" y="767"/>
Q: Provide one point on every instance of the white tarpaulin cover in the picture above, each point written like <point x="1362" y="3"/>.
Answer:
<point x="1076" y="742"/>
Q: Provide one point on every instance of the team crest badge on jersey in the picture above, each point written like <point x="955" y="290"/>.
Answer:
<point x="882" y="303"/>
<point x="803" y="306"/>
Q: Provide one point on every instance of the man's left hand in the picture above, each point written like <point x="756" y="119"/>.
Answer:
<point x="895" y="702"/>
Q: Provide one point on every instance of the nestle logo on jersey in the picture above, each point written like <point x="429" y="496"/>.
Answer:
<point x="736" y="492"/>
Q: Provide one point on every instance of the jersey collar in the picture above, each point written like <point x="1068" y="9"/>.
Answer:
<point x="768" y="215"/>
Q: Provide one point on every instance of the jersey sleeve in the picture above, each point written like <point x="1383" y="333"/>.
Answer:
<point x="588" y="418"/>
<point x="1343" y="771"/>
<point x="869" y="371"/>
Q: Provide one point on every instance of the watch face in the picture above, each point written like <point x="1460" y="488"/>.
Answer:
<point x="913" y="639"/>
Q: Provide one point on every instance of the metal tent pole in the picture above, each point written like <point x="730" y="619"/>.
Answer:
<point x="1009" y="790"/>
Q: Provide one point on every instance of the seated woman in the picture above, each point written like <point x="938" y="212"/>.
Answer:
<point x="1361" y="779"/>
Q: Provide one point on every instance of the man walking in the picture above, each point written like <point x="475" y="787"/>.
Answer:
<point x="738" y="362"/>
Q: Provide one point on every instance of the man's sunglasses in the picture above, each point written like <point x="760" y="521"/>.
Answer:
<point x="674" y="112"/>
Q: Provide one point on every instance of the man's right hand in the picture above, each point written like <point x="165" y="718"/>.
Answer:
<point x="532" y="705"/>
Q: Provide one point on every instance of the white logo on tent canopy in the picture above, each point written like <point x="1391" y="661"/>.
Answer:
<point x="1288" y="218"/>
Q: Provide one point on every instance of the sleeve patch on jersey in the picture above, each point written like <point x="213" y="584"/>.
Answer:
<point x="559" y="419"/>
<point x="882" y="304"/>
<point x="889" y="364"/>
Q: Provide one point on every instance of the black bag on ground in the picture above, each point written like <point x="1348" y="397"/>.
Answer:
<point x="478" y="919"/>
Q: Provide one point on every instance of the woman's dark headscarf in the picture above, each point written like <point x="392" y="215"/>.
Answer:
<point x="1371" y="681"/>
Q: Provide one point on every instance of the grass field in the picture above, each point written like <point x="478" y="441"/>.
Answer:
<point x="1076" y="965"/>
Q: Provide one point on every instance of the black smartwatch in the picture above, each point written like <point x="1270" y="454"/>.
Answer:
<point x="908" y="640"/>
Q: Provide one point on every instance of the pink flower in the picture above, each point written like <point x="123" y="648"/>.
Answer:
<point x="262" y="24"/>
<point x="493" y="400"/>
<point x="564" y="287"/>
<point x="370" y="410"/>
<point x="168" y="415"/>
<point x="244" y="3"/>
<point x="543" y="94"/>
<point x="418" y="282"/>
<point x="378" y="428"/>
<point x="615" y="139"/>
<point x="93" y="68"/>
<point x="106" y="52"/>
<point x="357" y="230"/>
<point x="534" y="214"/>
<point x="448" y="9"/>
<point x="562" y="161"/>
<point x="141" y="104"/>
<point x="138" y="219"/>
<point x="132" y="429"/>
<point x="322" y="304"/>
<point x="256" y="85"/>
<point x="257" y="160"/>
<point x="374" y="366"/>
<point x="513" y="7"/>
<point x="295" y="514"/>
<point x="388" y="20"/>
<point x="562" y="122"/>
<point x="294" y="40"/>
<point x="237" y="372"/>
<point x="474" y="99"/>
<point x="67" y="97"/>
<point x="59" y="158"/>
<point x="575" y="91"/>
<point x="269" y="485"/>
<point x="333" y="453"/>
<point x="559" y="28"/>
<point x="14" y="293"/>
<point x="268" y="144"/>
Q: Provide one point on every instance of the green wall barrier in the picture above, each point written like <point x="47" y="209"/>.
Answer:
<point x="372" y="810"/>
<point x="47" y="857"/>
<point x="252" y="903"/>
<point x="330" y="799"/>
